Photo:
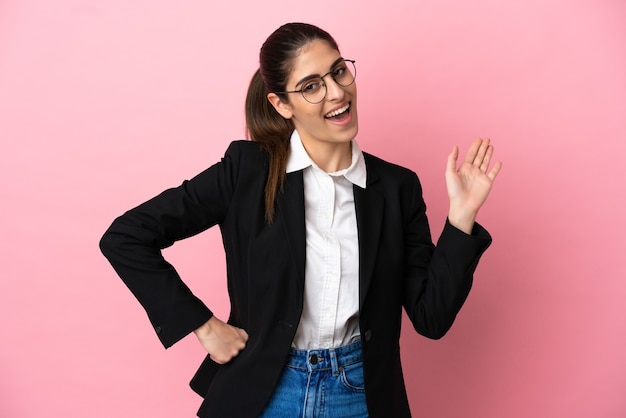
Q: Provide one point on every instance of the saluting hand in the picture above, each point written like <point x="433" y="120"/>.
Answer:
<point x="469" y="184"/>
<point x="222" y="341"/>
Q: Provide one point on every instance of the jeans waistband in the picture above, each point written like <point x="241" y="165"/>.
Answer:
<point x="334" y="359"/>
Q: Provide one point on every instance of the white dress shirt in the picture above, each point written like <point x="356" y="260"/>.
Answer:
<point x="331" y="286"/>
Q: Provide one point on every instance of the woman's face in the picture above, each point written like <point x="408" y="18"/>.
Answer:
<point x="334" y="119"/>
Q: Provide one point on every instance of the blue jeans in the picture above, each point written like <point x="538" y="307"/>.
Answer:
<point x="320" y="384"/>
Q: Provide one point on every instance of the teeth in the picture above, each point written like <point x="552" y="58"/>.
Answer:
<point x="338" y="111"/>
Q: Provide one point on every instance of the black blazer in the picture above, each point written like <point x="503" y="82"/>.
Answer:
<point x="399" y="267"/>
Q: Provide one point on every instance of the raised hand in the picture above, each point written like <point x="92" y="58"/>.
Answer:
<point x="470" y="183"/>
<point x="222" y="341"/>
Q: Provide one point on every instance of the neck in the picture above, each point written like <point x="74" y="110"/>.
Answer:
<point x="330" y="157"/>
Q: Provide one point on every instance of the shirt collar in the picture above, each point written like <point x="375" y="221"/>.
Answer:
<point x="299" y="159"/>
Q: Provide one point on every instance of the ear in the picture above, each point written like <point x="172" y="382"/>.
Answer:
<point x="283" y="108"/>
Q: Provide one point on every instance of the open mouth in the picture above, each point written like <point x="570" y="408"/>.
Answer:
<point x="338" y="113"/>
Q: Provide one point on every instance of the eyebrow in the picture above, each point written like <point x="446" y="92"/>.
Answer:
<point x="312" y="76"/>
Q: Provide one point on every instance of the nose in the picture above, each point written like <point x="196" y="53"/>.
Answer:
<point x="334" y="91"/>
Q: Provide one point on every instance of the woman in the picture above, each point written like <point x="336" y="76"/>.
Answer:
<point x="324" y="244"/>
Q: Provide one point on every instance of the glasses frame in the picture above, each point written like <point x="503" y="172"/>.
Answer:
<point x="301" y="91"/>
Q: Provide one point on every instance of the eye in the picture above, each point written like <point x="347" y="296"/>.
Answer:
<point x="339" y="71"/>
<point x="312" y="86"/>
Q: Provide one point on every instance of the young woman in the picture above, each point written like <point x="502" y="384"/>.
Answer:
<point x="324" y="245"/>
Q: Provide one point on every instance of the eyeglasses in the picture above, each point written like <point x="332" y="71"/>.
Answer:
<point x="314" y="89"/>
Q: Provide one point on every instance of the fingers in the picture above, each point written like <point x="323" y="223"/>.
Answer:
<point x="229" y="349"/>
<point x="483" y="159"/>
<point x="494" y="171"/>
<point x="486" y="158"/>
<point x="481" y="152"/>
<point x="243" y="334"/>
<point x="473" y="151"/>
<point x="478" y="155"/>
<point x="234" y="344"/>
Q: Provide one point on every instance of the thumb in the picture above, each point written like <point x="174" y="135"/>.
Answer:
<point x="452" y="158"/>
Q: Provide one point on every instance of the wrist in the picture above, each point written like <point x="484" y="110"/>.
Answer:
<point x="462" y="220"/>
<point x="206" y="328"/>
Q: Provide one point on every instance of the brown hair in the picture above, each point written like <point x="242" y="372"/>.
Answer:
<point x="263" y="123"/>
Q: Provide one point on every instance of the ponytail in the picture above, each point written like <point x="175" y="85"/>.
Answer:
<point x="266" y="126"/>
<point x="264" y="123"/>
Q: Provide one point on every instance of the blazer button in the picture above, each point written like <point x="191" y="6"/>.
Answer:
<point x="368" y="335"/>
<point x="158" y="329"/>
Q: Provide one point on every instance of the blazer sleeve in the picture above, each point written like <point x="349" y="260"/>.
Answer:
<point x="438" y="278"/>
<point x="134" y="241"/>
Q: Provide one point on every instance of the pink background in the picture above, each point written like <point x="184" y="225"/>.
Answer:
<point x="104" y="104"/>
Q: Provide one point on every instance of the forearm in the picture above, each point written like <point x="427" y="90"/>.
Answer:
<point x="436" y="288"/>
<point x="171" y="307"/>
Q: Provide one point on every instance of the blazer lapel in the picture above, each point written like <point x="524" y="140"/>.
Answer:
<point x="369" y="204"/>
<point x="290" y="209"/>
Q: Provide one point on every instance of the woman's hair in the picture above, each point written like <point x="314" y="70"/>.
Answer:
<point x="263" y="123"/>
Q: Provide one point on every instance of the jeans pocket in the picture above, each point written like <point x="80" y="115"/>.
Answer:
<point x="352" y="377"/>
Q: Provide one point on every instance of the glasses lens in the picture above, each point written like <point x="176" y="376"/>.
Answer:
<point x="345" y="73"/>
<point x="314" y="90"/>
